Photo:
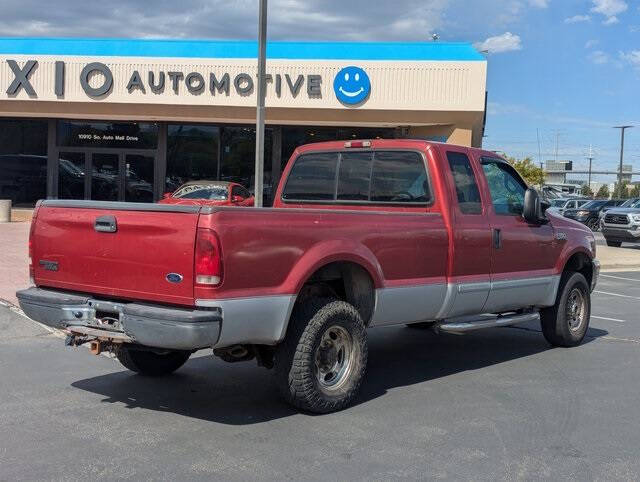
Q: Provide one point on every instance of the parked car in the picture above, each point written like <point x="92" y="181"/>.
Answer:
<point x="209" y="193"/>
<point x="622" y="225"/>
<point x="562" y="204"/>
<point x="589" y="213"/>
<point x="629" y="203"/>
<point x="362" y="234"/>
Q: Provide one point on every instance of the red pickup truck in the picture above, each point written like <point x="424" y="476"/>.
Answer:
<point x="362" y="234"/>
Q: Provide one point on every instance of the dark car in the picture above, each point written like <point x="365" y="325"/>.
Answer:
<point x="589" y="214"/>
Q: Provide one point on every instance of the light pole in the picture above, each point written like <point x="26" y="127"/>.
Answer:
<point x="260" y="114"/>
<point x="622" y="129"/>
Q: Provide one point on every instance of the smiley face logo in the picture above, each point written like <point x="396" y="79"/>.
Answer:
<point x="352" y="85"/>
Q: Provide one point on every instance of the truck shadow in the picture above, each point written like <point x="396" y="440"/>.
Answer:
<point x="242" y="394"/>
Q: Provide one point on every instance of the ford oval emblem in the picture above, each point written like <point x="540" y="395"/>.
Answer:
<point x="174" y="278"/>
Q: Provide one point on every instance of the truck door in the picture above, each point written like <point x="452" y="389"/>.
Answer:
<point x="523" y="255"/>
<point x="470" y="267"/>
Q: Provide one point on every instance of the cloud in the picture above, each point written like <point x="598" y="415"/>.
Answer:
<point x="591" y="43"/>
<point x="599" y="57"/>
<point x="539" y="3"/>
<point x="499" y="108"/>
<point x="577" y="19"/>
<point x="610" y="9"/>
<point x="288" y="19"/>
<point x="507" y="42"/>
<point x="632" y="58"/>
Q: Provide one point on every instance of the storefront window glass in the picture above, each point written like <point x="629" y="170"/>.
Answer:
<point x="132" y="135"/>
<point x="293" y="137"/>
<point x="71" y="175"/>
<point x="139" y="173"/>
<point x="192" y="154"/>
<point x="23" y="161"/>
<point x="239" y="157"/>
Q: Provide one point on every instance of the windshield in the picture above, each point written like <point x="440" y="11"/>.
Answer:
<point x="211" y="192"/>
<point x="631" y="203"/>
<point x="593" y="204"/>
<point x="558" y="203"/>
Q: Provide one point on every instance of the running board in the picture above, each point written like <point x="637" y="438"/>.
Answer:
<point x="482" y="323"/>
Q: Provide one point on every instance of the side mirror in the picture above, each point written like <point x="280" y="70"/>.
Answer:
<point x="532" y="212"/>
<point x="167" y="195"/>
<point x="237" y="199"/>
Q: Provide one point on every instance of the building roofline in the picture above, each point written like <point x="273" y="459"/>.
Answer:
<point x="240" y="49"/>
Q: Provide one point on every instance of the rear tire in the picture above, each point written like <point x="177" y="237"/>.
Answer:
<point x="151" y="364"/>
<point x="566" y="323"/>
<point x="320" y="365"/>
<point x="614" y="244"/>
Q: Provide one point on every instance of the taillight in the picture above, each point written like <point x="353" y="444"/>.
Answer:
<point x="208" y="258"/>
<point x="32" y="277"/>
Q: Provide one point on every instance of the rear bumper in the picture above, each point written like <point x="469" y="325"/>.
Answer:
<point x="150" y="325"/>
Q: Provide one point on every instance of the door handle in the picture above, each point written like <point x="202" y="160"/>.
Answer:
<point x="106" y="224"/>
<point x="497" y="238"/>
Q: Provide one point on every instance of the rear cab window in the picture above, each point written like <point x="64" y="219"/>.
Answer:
<point x="464" y="180"/>
<point x="312" y="178"/>
<point x="385" y="177"/>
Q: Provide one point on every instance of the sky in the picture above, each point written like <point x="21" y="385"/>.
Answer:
<point x="561" y="71"/>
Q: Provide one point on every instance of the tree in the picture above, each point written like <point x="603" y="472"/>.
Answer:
<point x="603" y="192"/>
<point x="621" y="191"/>
<point x="586" y="191"/>
<point x="534" y="175"/>
<point x="635" y="192"/>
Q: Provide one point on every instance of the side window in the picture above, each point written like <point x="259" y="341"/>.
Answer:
<point x="465" y="181"/>
<point x="312" y="178"/>
<point x="506" y="187"/>
<point x="354" y="176"/>
<point x="399" y="177"/>
<point x="571" y="205"/>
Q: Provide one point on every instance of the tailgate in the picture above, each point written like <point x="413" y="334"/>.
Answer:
<point x="121" y="250"/>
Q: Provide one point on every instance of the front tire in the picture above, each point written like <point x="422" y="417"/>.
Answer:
<point x="150" y="363"/>
<point x="566" y="323"/>
<point x="614" y="244"/>
<point x="593" y="224"/>
<point x="320" y="365"/>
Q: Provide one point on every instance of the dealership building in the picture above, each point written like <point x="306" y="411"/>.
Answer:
<point x="131" y="119"/>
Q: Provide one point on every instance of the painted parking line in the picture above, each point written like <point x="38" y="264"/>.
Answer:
<point x="608" y="319"/>
<point x="619" y="277"/>
<point x="617" y="294"/>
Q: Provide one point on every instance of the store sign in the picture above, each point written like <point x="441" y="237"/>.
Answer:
<point x="157" y="82"/>
<point x="352" y="85"/>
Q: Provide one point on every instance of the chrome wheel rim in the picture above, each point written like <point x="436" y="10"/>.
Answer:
<point x="576" y="309"/>
<point x="334" y="358"/>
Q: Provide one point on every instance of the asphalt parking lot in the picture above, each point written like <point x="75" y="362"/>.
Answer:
<point x="498" y="404"/>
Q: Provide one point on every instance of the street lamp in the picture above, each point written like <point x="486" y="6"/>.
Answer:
<point x="260" y="114"/>
<point x="622" y="129"/>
